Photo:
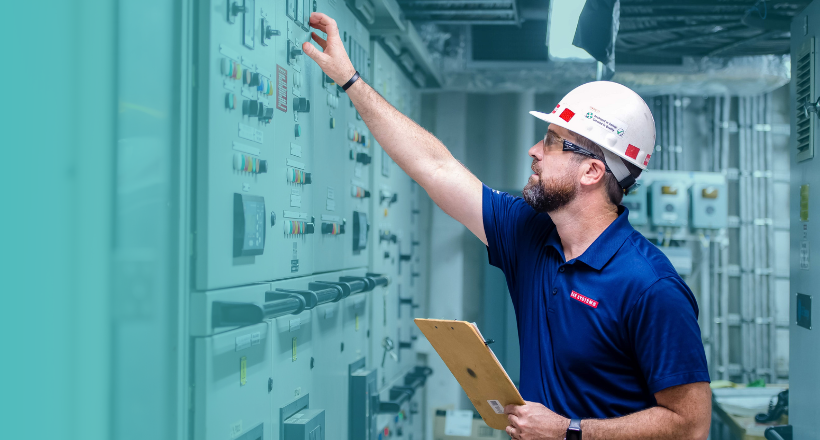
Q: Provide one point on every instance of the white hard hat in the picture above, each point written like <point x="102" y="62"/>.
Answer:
<point x="612" y="116"/>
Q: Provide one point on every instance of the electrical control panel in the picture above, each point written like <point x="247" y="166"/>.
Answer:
<point x="710" y="206"/>
<point x="234" y="154"/>
<point x="294" y="200"/>
<point x="636" y="203"/>
<point x="342" y="178"/>
<point x="668" y="203"/>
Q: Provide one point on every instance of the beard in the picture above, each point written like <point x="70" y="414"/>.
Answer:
<point x="551" y="194"/>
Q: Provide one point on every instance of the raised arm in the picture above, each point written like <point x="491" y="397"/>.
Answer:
<point x="420" y="154"/>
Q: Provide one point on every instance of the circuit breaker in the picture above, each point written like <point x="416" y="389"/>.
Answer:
<point x="669" y="204"/>
<point x="230" y="375"/>
<point x="636" y="203"/>
<point x="709" y="206"/>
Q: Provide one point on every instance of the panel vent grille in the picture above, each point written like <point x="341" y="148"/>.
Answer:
<point x="804" y="74"/>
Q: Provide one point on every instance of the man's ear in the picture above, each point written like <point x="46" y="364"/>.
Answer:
<point x="593" y="172"/>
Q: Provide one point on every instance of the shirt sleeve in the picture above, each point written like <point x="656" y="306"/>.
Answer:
<point x="663" y="328"/>
<point x="503" y="216"/>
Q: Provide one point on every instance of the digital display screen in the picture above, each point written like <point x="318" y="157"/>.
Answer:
<point x="254" y="225"/>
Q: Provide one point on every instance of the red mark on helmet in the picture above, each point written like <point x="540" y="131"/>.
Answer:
<point x="567" y="114"/>
<point x="582" y="299"/>
<point x="556" y="108"/>
<point x="646" y="161"/>
<point x="632" y="151"/>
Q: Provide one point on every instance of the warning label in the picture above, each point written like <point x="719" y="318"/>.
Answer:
<point x="609" y="123"/>
<point x="281" y="88"/>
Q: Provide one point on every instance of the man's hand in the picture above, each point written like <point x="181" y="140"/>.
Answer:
<point x="333" y="60"/>
<point x="534" y="421"/>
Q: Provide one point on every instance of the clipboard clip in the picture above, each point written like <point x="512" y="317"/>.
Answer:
<point x="488" y="342"/>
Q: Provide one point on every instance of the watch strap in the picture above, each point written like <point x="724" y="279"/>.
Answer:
<point x="574" y="429"/>
<point x="352" y="80"/>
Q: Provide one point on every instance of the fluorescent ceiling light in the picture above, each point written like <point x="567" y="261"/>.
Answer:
<point x="561" y="30"/>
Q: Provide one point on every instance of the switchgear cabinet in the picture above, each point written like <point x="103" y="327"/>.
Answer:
<point x="804" y="341"/>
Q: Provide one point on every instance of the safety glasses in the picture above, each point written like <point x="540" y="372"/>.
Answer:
<point x="569" y="146"/>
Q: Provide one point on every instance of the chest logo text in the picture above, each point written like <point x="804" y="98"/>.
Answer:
<point x="581" y="298"/>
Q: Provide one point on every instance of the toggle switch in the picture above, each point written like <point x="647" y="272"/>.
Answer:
<point x="391" y="199"/>
<point x="387" y="236"/>
<point x="301" y="105"/>
<point x="362" y="158"/>
<point x="251" y="107"/>
<point x="267" y="114"/>
<point x="332" y="122"/>
<point x="268" y="32"/>
<point x="297" y="130"/>
<point x="293" y="52"/>
<point x="234" y="9"/>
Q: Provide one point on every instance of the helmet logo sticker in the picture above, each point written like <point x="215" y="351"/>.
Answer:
<point x="632" y="151"/>
<point x="607" y="122"/>
<point x="567" y="114"/>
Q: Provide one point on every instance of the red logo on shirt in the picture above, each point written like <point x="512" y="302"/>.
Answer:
<point x="581" y="298"/>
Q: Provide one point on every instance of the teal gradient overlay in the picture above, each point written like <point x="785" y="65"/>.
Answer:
<point x="88" y="279"/>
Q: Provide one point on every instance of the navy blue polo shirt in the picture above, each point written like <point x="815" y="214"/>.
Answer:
<point x="599" y="334"/>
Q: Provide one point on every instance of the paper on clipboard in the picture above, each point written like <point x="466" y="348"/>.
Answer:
<point x="475" y="367"/>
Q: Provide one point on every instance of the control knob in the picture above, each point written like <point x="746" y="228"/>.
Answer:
<point x="301" y="105"/>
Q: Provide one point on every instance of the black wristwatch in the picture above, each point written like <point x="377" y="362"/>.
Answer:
<point x="574" y="430"/>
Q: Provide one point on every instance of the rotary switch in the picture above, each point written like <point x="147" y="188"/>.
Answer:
<point x="301" y="105"/>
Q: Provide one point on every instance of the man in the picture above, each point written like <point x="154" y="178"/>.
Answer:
<point x="610" y="346"/>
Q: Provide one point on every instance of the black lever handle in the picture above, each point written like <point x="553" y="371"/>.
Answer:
<point x="346" y="288"/>
<point x="369" y="284"/>
<point x="278" y="303"/>
<point x="311" y="297"/>
<point x="397" y="391"/>
<point x="379" y="279"/>
<point x="229" y="314"/>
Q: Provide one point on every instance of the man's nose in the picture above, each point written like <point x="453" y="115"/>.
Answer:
<point x="535" y="151"/>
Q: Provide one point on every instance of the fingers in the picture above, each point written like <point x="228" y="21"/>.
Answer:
<point x="319" y="40"/>
<point x="314" y="53"/>
<point x="512" y="432"/>
<point x="324" y="23"/>
<point x="513" y="421"/>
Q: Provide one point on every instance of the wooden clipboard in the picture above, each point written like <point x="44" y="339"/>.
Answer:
<point x="474" y="366"/>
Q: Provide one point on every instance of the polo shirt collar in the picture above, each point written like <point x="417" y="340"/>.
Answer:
<point x="605" y="246"/>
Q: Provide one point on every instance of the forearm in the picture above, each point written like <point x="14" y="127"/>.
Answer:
<point x="414" y="149"/>
<point x="423" y="157"/>
<point x="657" y="423"/>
